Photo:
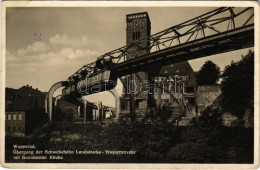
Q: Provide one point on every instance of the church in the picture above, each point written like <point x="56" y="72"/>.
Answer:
<point x="182" y="101"/>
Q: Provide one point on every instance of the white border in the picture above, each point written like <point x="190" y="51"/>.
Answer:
<point x="132" y="4"/>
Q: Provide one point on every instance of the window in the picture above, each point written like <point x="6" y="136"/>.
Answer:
<point x="19" y="128"/>
<point x="136" y="35"/>
<point x="137" y="104"/>
<point x="8" y="128"/>
<point x="9" y="116"/>
<point x="166" y="86"/>
<point x="14" y="116"/>
<point x="14" y="129"/>
<point x="20" y="116"/>
<point x="189" y="89"/>
<point x="191" y="101"/>
<point x="123" y="107"/>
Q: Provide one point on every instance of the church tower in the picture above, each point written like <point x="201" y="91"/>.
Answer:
<point x="138" y="27"/>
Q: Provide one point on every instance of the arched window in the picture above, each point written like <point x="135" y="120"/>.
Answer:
<point x="136" y="35"/>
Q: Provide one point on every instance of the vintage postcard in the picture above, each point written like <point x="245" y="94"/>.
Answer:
<point x="125" y="84"/>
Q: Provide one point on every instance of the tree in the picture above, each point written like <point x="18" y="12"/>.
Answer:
<point x="238" y="86"/>
<point x="208" y="74"/>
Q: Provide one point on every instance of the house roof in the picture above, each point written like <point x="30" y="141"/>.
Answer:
<point x="24" y="102"/>
<point x="26" y="98"/>
<point x="180" y="69"/>
<point x="28" y="90"/>
<point x="10" y="93"/>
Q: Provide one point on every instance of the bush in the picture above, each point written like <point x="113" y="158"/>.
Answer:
<point x="199" y="152"/>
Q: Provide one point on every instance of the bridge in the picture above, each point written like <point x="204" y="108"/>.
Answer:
<point x="218" y="31"/>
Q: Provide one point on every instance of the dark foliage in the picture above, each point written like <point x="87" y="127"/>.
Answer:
<point x="150" y="137"/>
<point x="238" y="86"/>
<point x="208" y="74"/>
<point x="153" y="137"/>
<point x="208" y="141"/>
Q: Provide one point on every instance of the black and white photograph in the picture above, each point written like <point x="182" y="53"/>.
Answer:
<point x="155" y="83"/>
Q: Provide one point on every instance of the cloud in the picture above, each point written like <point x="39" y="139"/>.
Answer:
<point x="78" y="54"/>
<point x="50" y="61"/>
<point x="75" y="42"/>
<point x="58" y="46"/>
<point x="37" y="47"/>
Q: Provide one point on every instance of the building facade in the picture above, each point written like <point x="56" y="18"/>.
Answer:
<point x="15" y="122"/>
<point x="138" y="27"/>
<point x="177" y="90"/>
<point x="25" y="110"/>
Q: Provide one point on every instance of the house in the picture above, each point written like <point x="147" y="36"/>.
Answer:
<point x="15" y="122"/>
<point x="25" y="110"/>
<point x="180" y="95"/>
<point x="23" y="122"/>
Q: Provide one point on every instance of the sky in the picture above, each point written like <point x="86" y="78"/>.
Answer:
<point x="47" y="45"/>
